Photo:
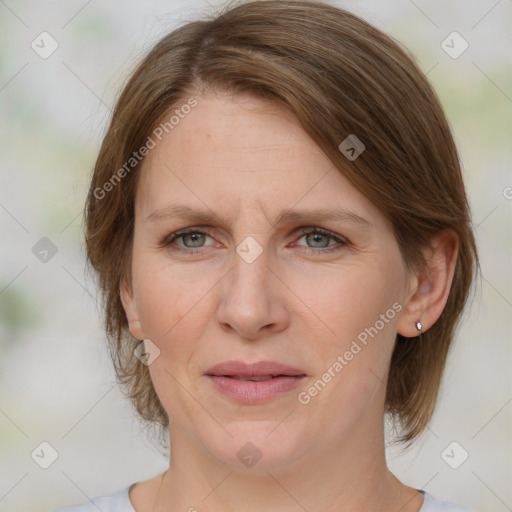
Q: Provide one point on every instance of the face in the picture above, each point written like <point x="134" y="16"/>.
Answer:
<point x="246" y="285"/>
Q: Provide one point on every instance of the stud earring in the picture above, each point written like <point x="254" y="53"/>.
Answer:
<point x="419" y="326"/>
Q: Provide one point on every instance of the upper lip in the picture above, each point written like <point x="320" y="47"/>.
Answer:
<point x="261" y="368"/>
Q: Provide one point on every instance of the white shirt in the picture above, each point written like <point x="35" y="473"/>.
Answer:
<point x="120" y="502"/>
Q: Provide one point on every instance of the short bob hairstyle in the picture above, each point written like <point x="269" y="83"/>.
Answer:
<point x="340" y="76"/>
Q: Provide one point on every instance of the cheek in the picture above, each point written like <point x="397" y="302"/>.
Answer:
<point x="360" y="310"/>
<point x="167" y="296"/>
<point x="346" y="301"/>
<point x="172" y="305"/>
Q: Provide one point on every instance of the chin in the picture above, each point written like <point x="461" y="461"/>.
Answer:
<point x="258" y="446"/>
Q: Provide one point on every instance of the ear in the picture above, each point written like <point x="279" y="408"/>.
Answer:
<point x="130" y="309"/>
<point x="431" y="288"/>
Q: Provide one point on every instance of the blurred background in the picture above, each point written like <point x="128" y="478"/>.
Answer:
<point x="62" y="65"/>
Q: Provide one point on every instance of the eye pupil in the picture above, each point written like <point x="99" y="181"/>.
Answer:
<point x="194" y="236"/>
<point x="317" y="240"/>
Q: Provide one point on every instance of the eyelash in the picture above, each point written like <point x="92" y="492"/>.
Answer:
<point x="169" y="239"/>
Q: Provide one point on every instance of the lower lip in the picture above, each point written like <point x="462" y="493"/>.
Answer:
<point x="255" y="392"/>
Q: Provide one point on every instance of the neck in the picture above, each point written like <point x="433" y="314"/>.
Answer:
<point x="348" y="477"/>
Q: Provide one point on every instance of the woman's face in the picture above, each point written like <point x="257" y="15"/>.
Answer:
<point x="257" y="288"/>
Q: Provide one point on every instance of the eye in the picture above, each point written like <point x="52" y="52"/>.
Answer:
<point x="193" y="240"/>
<point x="320" y="239"/>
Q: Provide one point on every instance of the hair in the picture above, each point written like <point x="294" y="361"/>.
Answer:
<point x="340" y="76"/>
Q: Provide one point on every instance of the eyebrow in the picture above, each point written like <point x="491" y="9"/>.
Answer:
<point x="286" y="216"/>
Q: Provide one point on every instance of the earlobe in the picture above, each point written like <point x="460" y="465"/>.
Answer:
<point x="130" y="309"/>
<point x="431" y="288"/>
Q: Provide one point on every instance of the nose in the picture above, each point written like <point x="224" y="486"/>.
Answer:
<point x="253" y="302"/>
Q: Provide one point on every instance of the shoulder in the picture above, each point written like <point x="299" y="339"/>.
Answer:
<point x="430" y="504"/>
<point x="118" y="502"/>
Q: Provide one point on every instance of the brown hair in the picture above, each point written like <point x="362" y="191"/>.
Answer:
<point x="340" y="76"/>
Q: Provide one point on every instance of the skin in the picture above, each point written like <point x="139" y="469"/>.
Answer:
<point x="247" y="160"/>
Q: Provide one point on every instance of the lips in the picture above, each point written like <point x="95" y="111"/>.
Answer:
<point x="262" y="370"/>
<point x="254" y="383"/>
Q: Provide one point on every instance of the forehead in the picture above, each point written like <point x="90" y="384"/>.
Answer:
<point x="247" y="132"/>
<point x="242" y="153"/>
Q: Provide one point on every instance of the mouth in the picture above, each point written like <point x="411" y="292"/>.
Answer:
<point x="261" y="370"/>
<point x="254" y="383"/>
<point x="257" y="378"/>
